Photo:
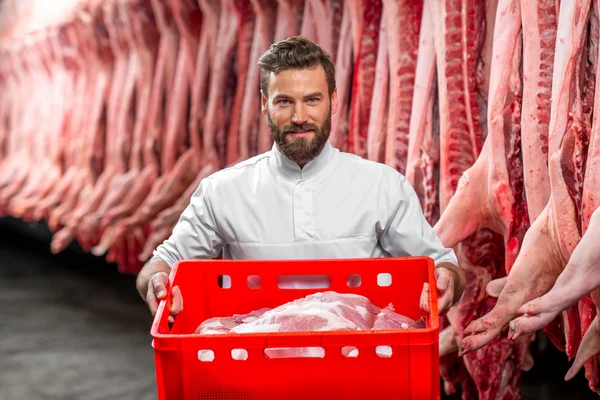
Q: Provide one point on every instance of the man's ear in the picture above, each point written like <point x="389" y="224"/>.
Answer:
<point x="334" y="101"/>
<point x="263" y="101"/>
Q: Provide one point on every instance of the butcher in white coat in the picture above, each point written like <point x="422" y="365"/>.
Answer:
<point x="303" y="199"/>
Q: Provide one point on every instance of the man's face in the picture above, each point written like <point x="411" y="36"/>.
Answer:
<point x="299" y="111"/>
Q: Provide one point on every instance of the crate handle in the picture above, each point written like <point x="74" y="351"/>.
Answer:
<point x="304" y="281"/>
<point x="273" y="353"/>
<point x="164" y="305"/>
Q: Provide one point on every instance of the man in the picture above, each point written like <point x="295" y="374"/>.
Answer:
<point x="303" y="199"/>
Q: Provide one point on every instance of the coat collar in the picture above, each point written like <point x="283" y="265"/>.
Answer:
<point x="290" y="168"/>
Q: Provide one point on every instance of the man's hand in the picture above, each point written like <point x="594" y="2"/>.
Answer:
<point x="157" y="290"/>
<point x="152" y="282"/>
<point x="450" y="285"/>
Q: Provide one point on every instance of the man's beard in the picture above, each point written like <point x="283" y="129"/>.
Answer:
<point x="301" y="150"/>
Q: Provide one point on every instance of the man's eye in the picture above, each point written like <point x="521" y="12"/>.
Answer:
<point x="283" y="102"/>
<point x="313" y="100"/>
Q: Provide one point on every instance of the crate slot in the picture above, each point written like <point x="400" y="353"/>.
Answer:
<point x="224" y="281"/>
<point x="384" y="279"/>
<point x="383" y="351"/>
<point x="354" y="280"/>
<point x="254" y="282"/>
<point x="206" y="355"/>
<point x="315" y="281"/>
<point x="239" y="354"/>
<point x="350" y="351"/>
<point x="294" y="352"/>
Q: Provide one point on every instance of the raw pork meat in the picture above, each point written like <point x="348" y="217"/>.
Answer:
<point x="325" y="311"/>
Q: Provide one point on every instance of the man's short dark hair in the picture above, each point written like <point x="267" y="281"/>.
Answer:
<point x="296" y="52"/>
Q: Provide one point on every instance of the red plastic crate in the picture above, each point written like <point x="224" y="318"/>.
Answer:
<point x="412" y="371"/>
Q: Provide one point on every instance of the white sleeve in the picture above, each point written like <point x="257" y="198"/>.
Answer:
<point x="196" y="235"/>
<point x="408" y="233"/>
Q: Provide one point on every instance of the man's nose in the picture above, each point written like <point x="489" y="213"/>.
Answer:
<point x="300" y="115"/>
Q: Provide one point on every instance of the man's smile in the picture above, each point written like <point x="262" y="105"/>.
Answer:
<point x="300" y="134"/>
